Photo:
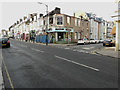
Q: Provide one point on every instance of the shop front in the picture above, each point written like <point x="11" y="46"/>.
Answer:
<point x="18" y="35"/>
<point x="32" y="35"/>
<point x="60" y="35"/>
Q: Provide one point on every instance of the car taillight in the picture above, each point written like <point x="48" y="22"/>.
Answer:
<point x="8" y="41"/>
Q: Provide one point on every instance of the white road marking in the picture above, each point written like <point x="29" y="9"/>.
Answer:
<point x="87" y="48"/>
<point x="67" y="48"/>
<point x="95" y="69"/>
<point x="37" y="50"/>
<point x="81" y="51"/>
<point x="74" y="50"/>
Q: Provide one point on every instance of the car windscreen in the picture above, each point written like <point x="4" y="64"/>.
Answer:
<point x="108" y="40"/>
<point x="4" y="39"/>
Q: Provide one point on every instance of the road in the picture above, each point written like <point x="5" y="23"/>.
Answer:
<point x="88" y="48"/>
<point x="30" y="65"/>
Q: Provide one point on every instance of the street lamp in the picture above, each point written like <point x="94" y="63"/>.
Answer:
<point x="117" y="46"/>
<point x="47" y="20"/>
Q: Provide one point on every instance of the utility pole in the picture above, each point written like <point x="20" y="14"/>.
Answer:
<point x="47" y="26"/>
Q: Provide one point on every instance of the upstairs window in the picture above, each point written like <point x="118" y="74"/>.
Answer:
<point x="50" y="20"/>
<point x="59" y="20"/>
<point x="79" y="23"/>
<point x="68" y="20"/>
<point x="75" y="35"/>
<point x="75" y="21"/>
<point x="44" y="22"/>
<point x="41" y="22"/>
<point x="82" y="23"/>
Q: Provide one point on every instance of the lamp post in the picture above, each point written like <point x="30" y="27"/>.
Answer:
<point x="117" y="46"/>
<point x="47" y="26"/>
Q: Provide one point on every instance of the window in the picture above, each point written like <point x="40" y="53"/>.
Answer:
<point x="82" y="23"/>
<point x="44" y="22"/>
<point x="41" y="22"/>
<point x="75" y="35"/>
<point x="50" y="20"/>
<point x="78" y="35"/>
<point x="68" y="20"/>
<point x="79" y="22"/>
<point x="75" y="21"/>
<point x="59" y="20"/>
<point x="87" y="24"/>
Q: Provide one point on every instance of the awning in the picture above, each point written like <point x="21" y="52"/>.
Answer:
<point x="113" y="31"/>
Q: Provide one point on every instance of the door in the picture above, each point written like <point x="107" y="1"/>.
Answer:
<point x="60" y="36"/>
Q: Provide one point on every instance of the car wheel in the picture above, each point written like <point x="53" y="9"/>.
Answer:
<point x="103" y="44"/>
<point x="111" y="45"/>
<point x="8" y="46"/>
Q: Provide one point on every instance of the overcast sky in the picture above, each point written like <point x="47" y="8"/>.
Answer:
<point x="12" y="11"/>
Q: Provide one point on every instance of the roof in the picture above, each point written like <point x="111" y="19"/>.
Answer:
<point x="113" y="31"/>
<point x="82" y="15"/>
<point x="98" y="19"/>
<point x="89" y="15"/>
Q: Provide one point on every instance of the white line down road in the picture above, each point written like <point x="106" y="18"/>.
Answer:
<point x="95" y="69"/>
<point x="37" y="50"/>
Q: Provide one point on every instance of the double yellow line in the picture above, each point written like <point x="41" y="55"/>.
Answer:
<point x="7" y="73"/>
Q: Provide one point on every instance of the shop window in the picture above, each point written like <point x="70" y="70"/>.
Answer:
<point x="59" y="20"/>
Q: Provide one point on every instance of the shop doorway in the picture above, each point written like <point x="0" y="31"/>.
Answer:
<point x="23" y="36"/>
<point x="60" y="36"/>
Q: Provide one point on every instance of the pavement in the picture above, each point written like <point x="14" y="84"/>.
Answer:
<point x="38" y="66"/>
<point x="108" y="51"/>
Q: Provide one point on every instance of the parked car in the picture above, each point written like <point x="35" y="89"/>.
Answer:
<point x="97" y="41"/>
<point x="83" y="41"/>
<point x="101" y="41"/>
<point x="113" y="41"/>
<point x="92" y="41"/>
<point x="5" y="36"/>
<point x="108" y="42"/>
<point x="4" y="42"/>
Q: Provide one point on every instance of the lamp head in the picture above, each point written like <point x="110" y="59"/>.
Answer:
<point x="40" y="3"/>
